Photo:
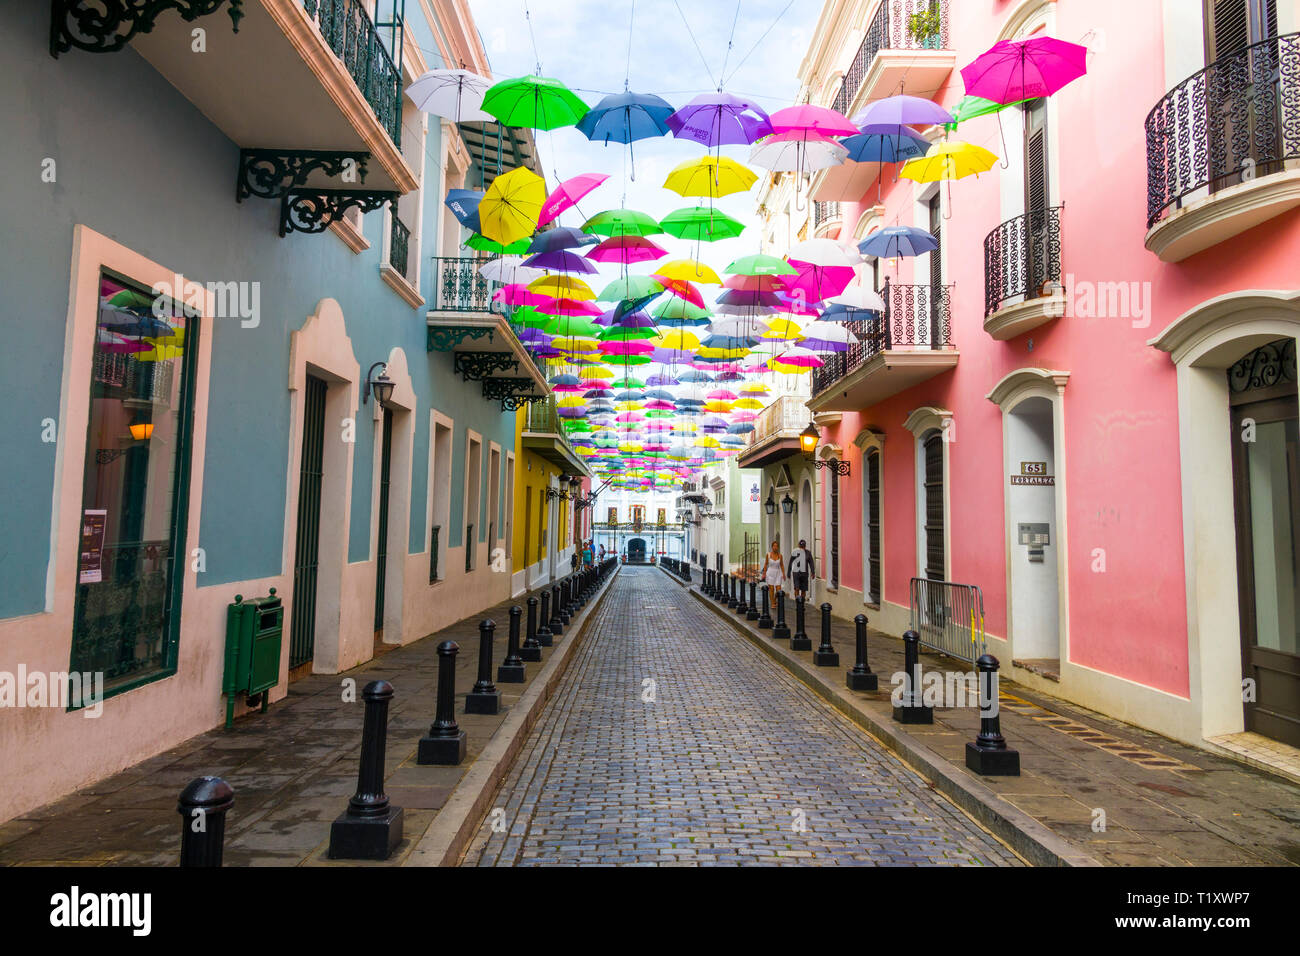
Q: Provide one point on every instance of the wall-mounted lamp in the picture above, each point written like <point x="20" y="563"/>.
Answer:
<point x="142" y="431"/>
<point x="787" y="504"/>
<point x="808" y="439"/>
<point x="381" y="385"/>
<point x="770" y="504"/>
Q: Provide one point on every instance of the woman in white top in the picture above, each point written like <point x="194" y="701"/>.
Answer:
<point x="773" y="571"/>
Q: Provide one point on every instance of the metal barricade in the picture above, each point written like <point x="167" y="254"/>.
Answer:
<point x="949" y="617"/>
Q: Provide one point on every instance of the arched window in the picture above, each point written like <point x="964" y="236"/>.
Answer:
<point x="871" y="508"/>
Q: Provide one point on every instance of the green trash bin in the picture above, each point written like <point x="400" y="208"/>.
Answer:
<point x="254" y="631"/>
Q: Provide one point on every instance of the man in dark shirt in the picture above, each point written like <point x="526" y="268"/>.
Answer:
<point x="801" y="569"/>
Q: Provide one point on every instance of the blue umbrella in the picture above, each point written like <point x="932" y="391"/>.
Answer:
<point x="740" y="428"/>
<point x="884" y="147"/>
<point x="626" y="117"/>
<point x="562" y="237"/>
<point x="463" y="204"/>
<point x="894" y="241"/>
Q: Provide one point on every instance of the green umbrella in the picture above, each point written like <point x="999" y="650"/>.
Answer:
<point x="529" y="316"/>
<point x="536" y="102"/>
<point x="621" y="333"/>
<point x="622" y="222"/>
<point x="568" y="326"/>
<point x="633" y="287"/>
<point x="484" y="244"/>
<point x="673" y="309"/>
<point x="972" y="106"/>
<point x="627" y="381"/>
<point x="761" y="265"/>
<point x="698" y="223"/>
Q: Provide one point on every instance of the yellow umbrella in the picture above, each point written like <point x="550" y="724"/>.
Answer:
<point x="597" y="371"/>
<point x="562" y="287"/>
<point x="628" y="406"/>
<point x="946" y="160"/>
<point x="575" y="343"/>
<point x="784" y="330"/>
<point x="706" y="441"/>
<point x="508" y="211"/>
<point x="678" y="340"/>
<point x="711" y="177"/>
<point x="688" y="270"/>
<point x="752" y="403"/>
<point x="572" y="401"/>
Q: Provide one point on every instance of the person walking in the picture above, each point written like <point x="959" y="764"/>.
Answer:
<point x="773" y="573"/>
<point x="801" y="569"/>
<point x="587" y="555"/>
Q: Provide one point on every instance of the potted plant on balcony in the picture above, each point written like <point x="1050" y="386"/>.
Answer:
<point x="924" y="27"/>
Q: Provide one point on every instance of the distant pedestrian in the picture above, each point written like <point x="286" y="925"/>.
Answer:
<point x="587" y="555"/>
<point x="801" y="569"/>
<point x="773" y="573"/>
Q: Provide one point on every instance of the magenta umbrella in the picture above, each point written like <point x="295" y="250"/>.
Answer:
<point x="808" y="118"/>
<point x="719" y="118"/>
<point x="567" y="194"/>
<point x="1014" y="70"/>
<point x="816" y="283"/>
<point x="626" y="249"/>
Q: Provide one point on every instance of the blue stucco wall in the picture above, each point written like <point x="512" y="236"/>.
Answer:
<point x="138" y="163"/>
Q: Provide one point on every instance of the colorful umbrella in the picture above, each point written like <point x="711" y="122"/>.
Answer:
<point x="700" y="224"/>
<point x="455" y="94"/>
<point x="948" y="160"/>
<point x="484" y="244"/>
<point x="894" y="111"/>
<point x="688" y="270"/>
<point x="714" y="119"/>
<point x="626" y="117"/>
<point x="894" y="241"/>
<point x="761" y="265"/>
<point x="797" y="152"/>
<point x="1014" y="70"/>
<point x="884" y="147"/>
<point x="626" y="249"/>
<point x="631" y="287"/>
<point x="808" y="118"/>
<point x="561" y="260"/>
<point x="463" y="204"/>
<point x="622" y="222"/>
<point x="511" y="205"/>
<point x="710" y="177"/>
<point x="535" y="102"/>
<point x="567" y="194"/>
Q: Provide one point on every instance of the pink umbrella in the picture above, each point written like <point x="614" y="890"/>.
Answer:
<point x="682" y="289"/>
<point x="517" y="294"/>
<point x="815" y="283"/>
<point x="810" y="118"/>
<point x="569" y="307"/>
<point x="629" y="417"/>
<point x="568" y="193"/>
<point x="744" y="283"/>
<point x="1014" y="70"/>
<point x="629" y="347"/>
<point x="626" y="249"/>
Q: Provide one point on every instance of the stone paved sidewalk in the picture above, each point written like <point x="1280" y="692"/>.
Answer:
<point x="718" y="768"/>
<point x="292" y="769"/>
<point x="1165" y="803"/>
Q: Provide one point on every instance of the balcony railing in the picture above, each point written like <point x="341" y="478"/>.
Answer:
<point x="351" y="34"/>
<point x="458" y="287"/>
<point x="399" y="247"/>
<point x="1234" y="120"/>
<point x="543" y="419"/>
<point x="824" y="212"/>
<point x="1021" y="256"/>
<point x="915" y="317"/>
<point x="787" y="413"/>
<point x="897" y="25"/>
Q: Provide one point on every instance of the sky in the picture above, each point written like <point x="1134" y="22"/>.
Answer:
<point x="584" y="44"/>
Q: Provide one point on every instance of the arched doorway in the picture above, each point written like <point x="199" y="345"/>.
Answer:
<point x="636" y="551"/>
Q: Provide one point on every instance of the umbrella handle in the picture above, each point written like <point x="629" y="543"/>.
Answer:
<point x="1006" y="164"/>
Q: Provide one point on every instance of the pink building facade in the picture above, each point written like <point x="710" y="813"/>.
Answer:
<point x="1084" y="402"/>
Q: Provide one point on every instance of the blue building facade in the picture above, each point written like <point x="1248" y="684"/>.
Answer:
<point x="254" y="455"/>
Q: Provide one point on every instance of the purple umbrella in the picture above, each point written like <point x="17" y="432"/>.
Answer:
<point x="744" y="297"/>
<point x="561" y="237"/>
<point x="1014" y="70"/>
<point x="561" y="260"/>
<point x="895" y="111"/>
<point x="719" y="118"/>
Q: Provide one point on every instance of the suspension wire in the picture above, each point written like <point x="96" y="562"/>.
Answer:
<point x="734" y="20"/>
<point x="631" y="21"/>
<point x="769" y="29"/>
<point x="696" y="43"/>
<point x="532" y="38"/>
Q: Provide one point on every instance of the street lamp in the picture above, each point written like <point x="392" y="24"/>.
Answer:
<point x="770" y="504"/>
<point x="787" y="504"/>
<point x="808" y="439"/>
<point x="381" y="385"/>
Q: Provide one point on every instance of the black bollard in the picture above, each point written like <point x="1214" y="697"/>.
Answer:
<point x="911" y="710"/>
<point x="859" y="676"/>
<point x="826" y="655"/>
<point x="989" y="754"/>
<point x="721" y="594"/>
<point x="532" y="650"/>
<point x="731" y="592"/>
<point x="445" y="742"/>
<point x="558" y="617"/>
<point x="511" y="670"/>
<point x="202" y="806"/>
<point x="543" y="631"/>
<point x="572" y="597"/>
<point x="742" y="608"/>
<point x="484" y="698"/>
<point x="781" y="632"/>
<point x="799" y="641"/>
<point x="765" y="619"/>
<point x="371" y="827"/>
<point x="751" y="613"/>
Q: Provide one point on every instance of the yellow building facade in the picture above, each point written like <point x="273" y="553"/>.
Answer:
<point x="544" y="499"/>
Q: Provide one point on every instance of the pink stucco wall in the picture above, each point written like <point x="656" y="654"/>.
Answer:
<point x="1120" y="406"/>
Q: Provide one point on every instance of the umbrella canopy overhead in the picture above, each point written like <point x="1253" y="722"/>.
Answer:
<point x="622" y="222"/>
<point x="1013" y="70"/>
<point x="509" y="210"/>
<point x="701" y="224"/>
<point x="897" y="111"/>
<point x="455" y="94"/>
<point x="808" y="118"/>
<point x="626" y="249"/>
<point x="894" y="241"/>
<point x="718" y="118"/>
<point x="567" y="194"/>
<point x="535" y="102"/>
<point x="948" y="160"/>
<point x="710" y="177"/>
<point x="626" y="118"/>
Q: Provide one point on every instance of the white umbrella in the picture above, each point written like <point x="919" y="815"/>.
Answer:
<point x="792" y="152"/>
<point x="822" y="252"/>
<point x="738" y="327"/>
<point x="827" y="337"/>
<point x="455" y="94"/>
<point x="860" y="297"/>
<point x="510" y="270"/>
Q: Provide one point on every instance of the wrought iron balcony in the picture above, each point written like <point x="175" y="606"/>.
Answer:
<point x="917" y="322"/>
<point x="1021" y="257"/>
<point x="897" y="25"/>
<point x="399" y="247"/>
<point x="458" y="287"/>
<point x="1234" y="121"/>
<point x="352" y="35"/>
<point x="824" y="212"/>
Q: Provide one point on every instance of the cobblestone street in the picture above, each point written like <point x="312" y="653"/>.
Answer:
<point x="673" y="742"/>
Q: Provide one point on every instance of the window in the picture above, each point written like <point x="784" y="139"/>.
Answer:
<point x="473" y="499"/>
<point x="833" y="480"/>
<point x="932" y="487"/>
<point x="135" y="489"/>
<point x="871" y="507"/>
<point x="440" y="494"/>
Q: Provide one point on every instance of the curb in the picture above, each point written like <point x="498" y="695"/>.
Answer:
<point x="448" y="836"/>
<point x="1029" y="838"/>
